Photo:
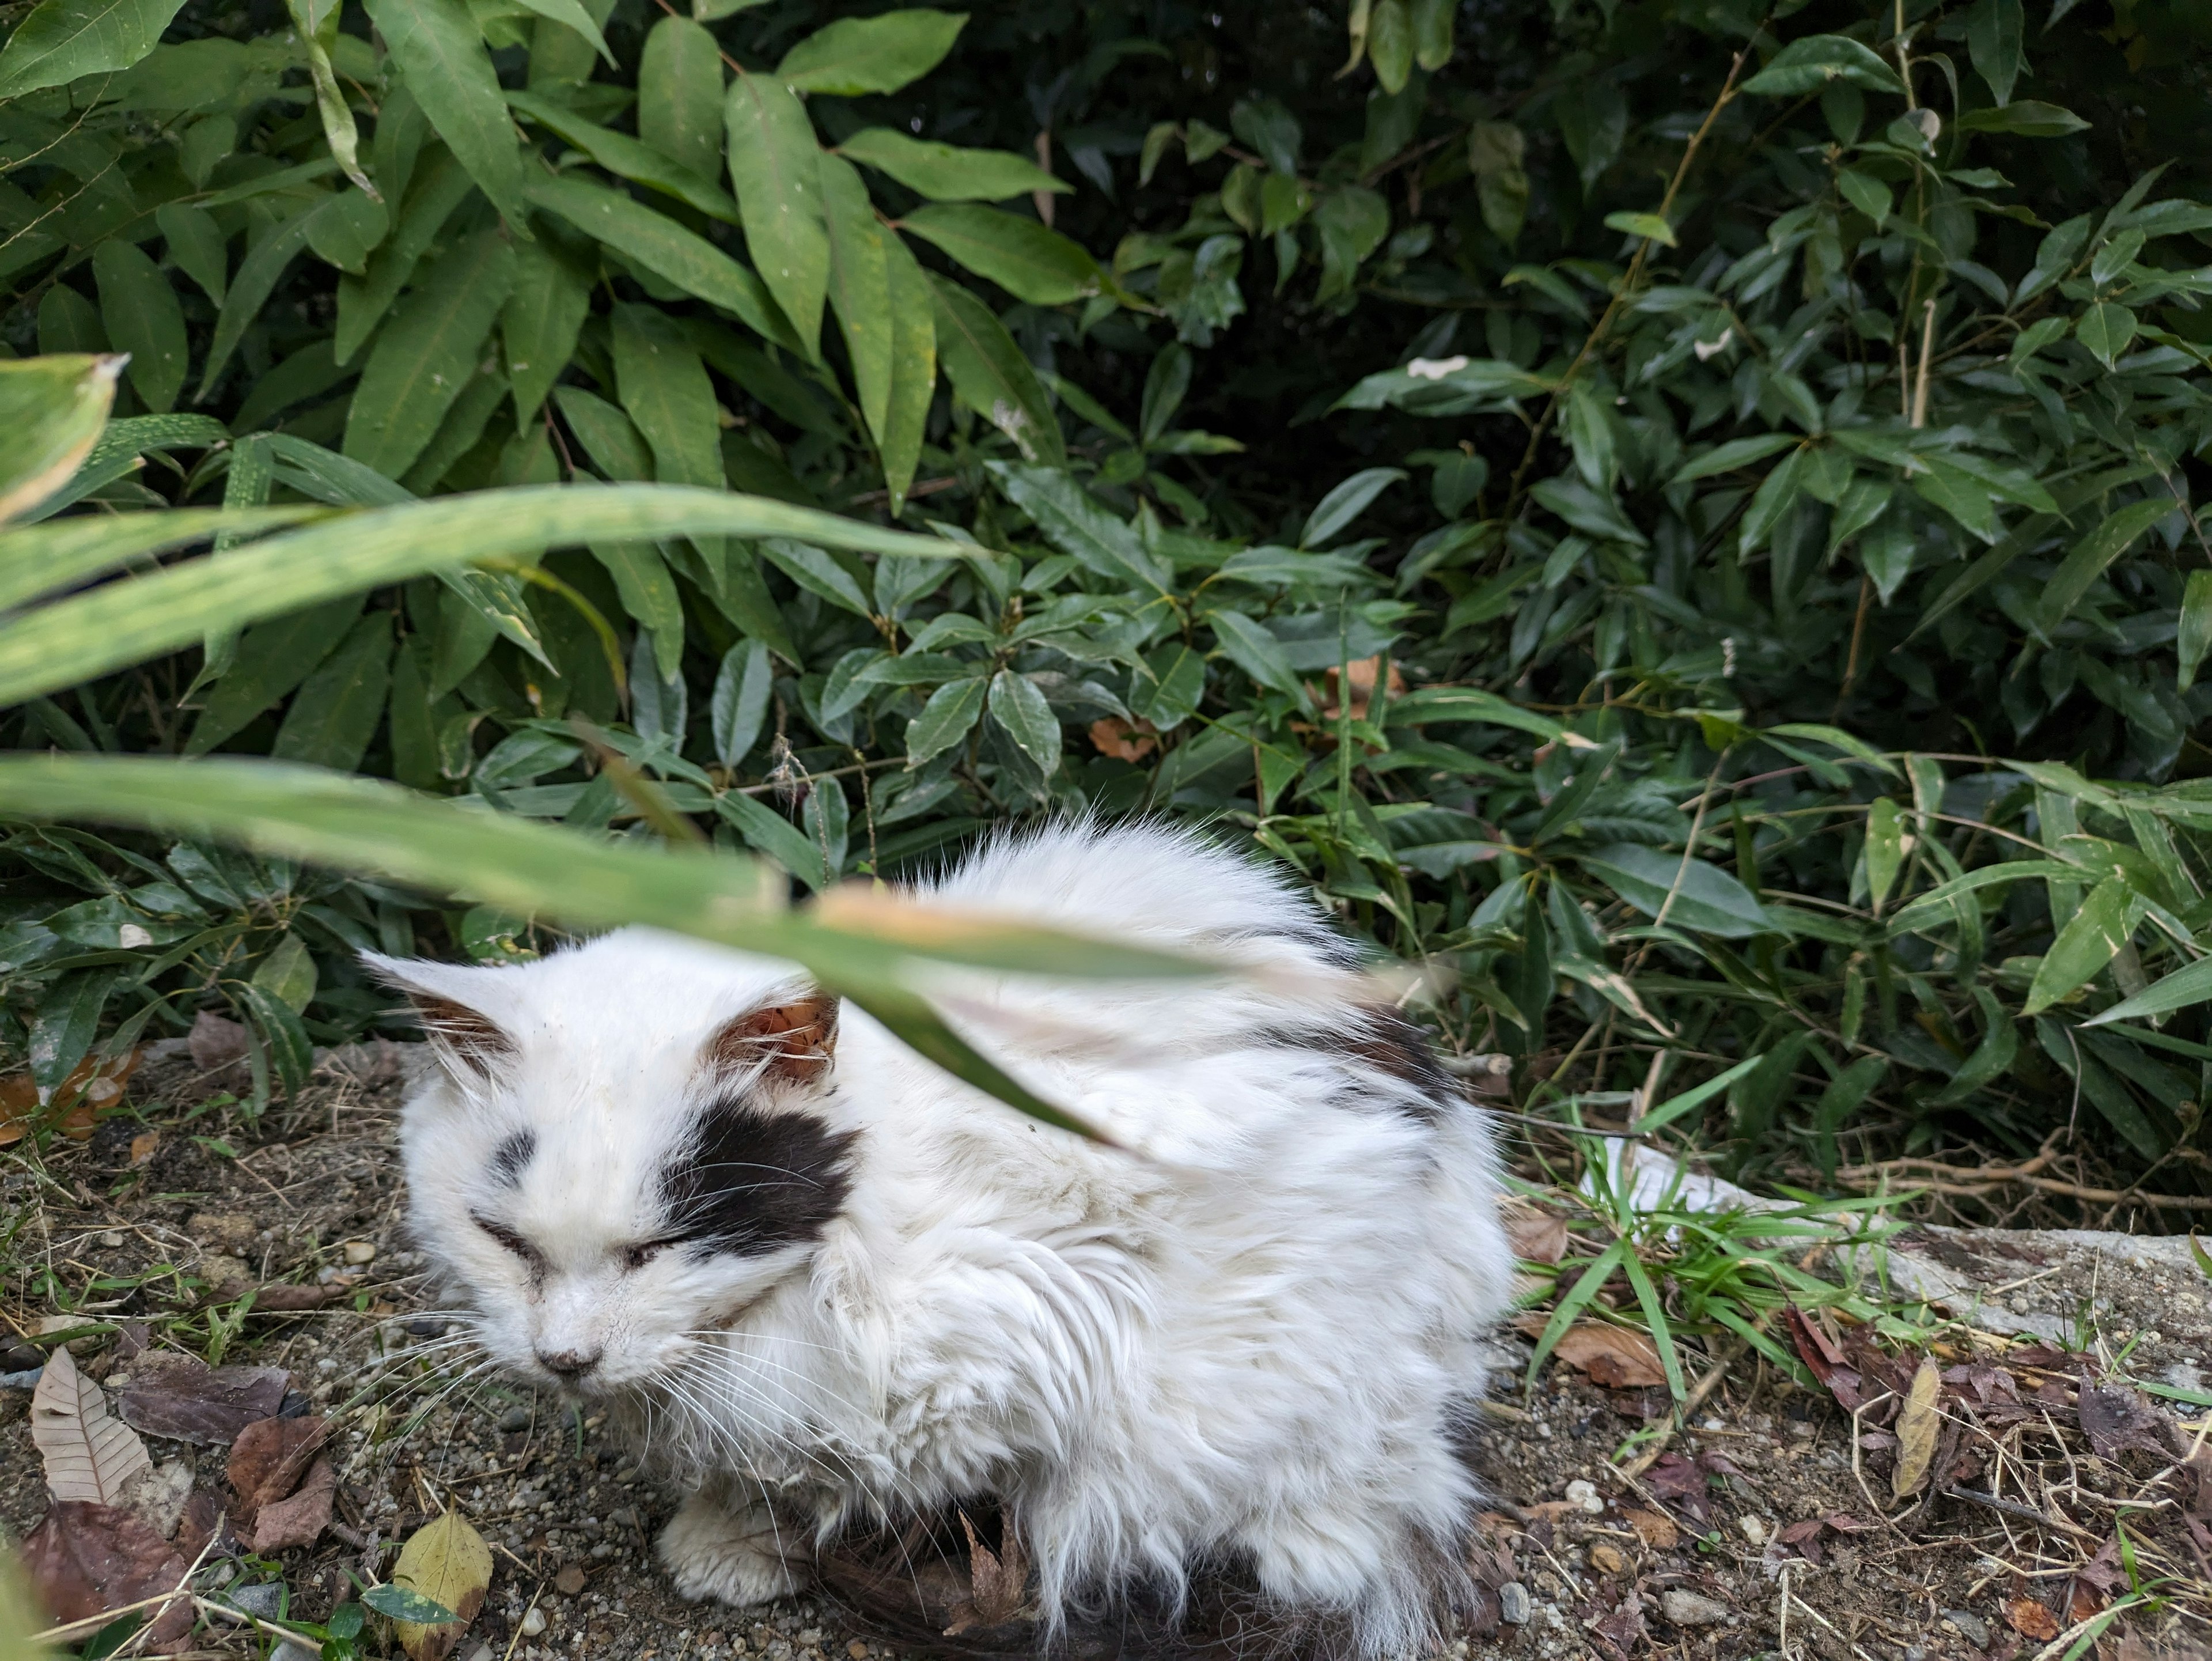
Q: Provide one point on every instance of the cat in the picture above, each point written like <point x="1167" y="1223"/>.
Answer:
<point x="820" y="1280"/>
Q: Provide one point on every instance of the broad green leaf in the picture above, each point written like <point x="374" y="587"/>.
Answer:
<point x="2088" y="558"/>
<point x="1994" y="41"/>
<point x="946" y="172"/>
<point x="1021" y="711"/>
<point x="665" y="388"/>
<point x="544" y="311"/>
<point x="1443" y="704"/>
<point x="1432" y="32"/>
<point x="860" y="290"/>
<point x="251" y="285"/>
<point x="2190" y="984"/>
<point x="633" y="159"/>
<point x="438" y="50"/>
<point x="2087" y="943"/>
<point x="611" y="440"/>
<point x="858" y="55"/>
<point x="679" y="96"/>
<point x="812" y="569"/>
<point x="739" y="709"/>
<point x="2106" y="329"/>
<point x="1810" y="65"/>
<point x="914" y="369"/>
<point x="426" y="355"/>
<point x="1885" y="849"/>
<point x="347" y="228"/>
<point x="1353" y="220"/>
<point x="1705" y="899"/>
<point x="1868" y="194"/>
<point x="89" y="635"/>
<point x="438" y="188"/>
<point x="775" y="169"/>
<point x="1256" y="652"/>
<point x="1167" y="689"/>
<point x="336" y="711"/>
<point x="667" y="249"/>
<point x="52" y="410"/>
<point x="990" y="374"/>
<point x="271" y="660"/>
<point x="62" y="39"/>
<point x="571" y="15"/>
<point x="47" y="558"/>
<point x="1650" y="226"/>
<point x="1345" y="503"/>
<point x="195" y="244"/>
<point x="1587" y="511"/>
<point x="1736" y="452"/>
<point x="648" y="593"/>
<point x="2024" y="117"/>
<point x="1028" y="260"/>
<point x="1390" y="43"/>
<point x="945" y="720"/>
<point x="2194" y="637"/>
<point x="143" y="318"/>
<point x="1077" y="523"/>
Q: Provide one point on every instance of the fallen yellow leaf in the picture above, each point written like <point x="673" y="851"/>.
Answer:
<point x="446" y="1561"/>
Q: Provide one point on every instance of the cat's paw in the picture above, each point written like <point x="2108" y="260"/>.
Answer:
<point x="731" y="1557"/>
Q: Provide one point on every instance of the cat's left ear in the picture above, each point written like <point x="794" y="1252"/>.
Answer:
<point x="796" y="1037"/>
<point x="447" y="999"/>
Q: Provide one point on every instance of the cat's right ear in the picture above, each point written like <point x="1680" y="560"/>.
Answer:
<point x="461" y="1035"/>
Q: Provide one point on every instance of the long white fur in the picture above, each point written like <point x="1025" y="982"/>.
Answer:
<point x="1259" y="1341"/>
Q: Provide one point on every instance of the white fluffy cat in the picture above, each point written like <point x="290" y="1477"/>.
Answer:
<point x="829" y="1282"/>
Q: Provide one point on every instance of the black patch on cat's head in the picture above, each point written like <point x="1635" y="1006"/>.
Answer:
<point x="751" y="1181"/>
<point x="507" y="1159"/>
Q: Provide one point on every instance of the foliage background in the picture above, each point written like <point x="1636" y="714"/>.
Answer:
<point x="1766" y="495"/>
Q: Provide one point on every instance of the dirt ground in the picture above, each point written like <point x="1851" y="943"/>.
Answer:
<point x="1767" y="1526"/>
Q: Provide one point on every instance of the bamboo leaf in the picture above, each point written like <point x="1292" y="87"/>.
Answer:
<point x="774" y="169"/>
<point x="858" y="55"/>
<point x="989" y="372"/>
<point x="424" y="358"/>
<point x="860" y="290"/>
<point x="438" y="50"/>
<point x="143" y="318"/>
<point x="1023" y="257"/>
<point x="946" y="173"/>
<point x="679" y="96"/>
<point x="914" y="369"/>
<point x="52" y="410"/>
<point x="2085" y="944"/>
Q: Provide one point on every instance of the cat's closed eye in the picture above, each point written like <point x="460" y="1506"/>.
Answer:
<point x="512" y="1241"/>
<point x="637" y="1257"/>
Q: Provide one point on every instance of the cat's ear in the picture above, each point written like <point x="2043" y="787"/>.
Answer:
<point x="796" y="1036"/>
<point x="444" y="995"/>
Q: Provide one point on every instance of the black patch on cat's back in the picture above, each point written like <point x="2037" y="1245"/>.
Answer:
<point x="751" y="1181"/>
<point x="505" y="1165"/>
<point x="1389" y="1044"/>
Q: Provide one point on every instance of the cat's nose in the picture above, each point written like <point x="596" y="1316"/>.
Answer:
<point x="569" y="1364"/>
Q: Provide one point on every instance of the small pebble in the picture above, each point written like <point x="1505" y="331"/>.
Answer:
<point x="424" y="1326"/>
<point x="1513" y="1604"/>
<point x="1584" y="1495"/>
<point x="1605" y="1560"/>
<point x="360" y="1251"/>
<point x="570" y="1579"/>
<point x="292" y="1650"/>
<point x="111" y="1239"/>
<point x="1754" y="1529"/>
<point x="1971" y="1626"/>
<point x="533" y="1622"/>
<point x="1687" y="1608"/>
<point x="515" y="1418"/>
<point x="857" y="1650"/>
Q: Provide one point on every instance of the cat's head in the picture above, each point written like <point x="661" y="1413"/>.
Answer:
<point x="622" y="1147"/>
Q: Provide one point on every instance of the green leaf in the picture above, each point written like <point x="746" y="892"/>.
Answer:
<point x="89" y="635"/>
<point x="665" y="388"/>
<point x="1587" y="511"/>
<point x="775" y="169"/>
<point x="62" y="39"/>
<point x="1885" y="849"/>
<point x="739" y="709"/>
<point x="679" y="96"/>
<point x="1023" y="257"/>
<point x="2027" y="117"/>
<point x="633" y="159"/>
<point x="946" y="172"/>
<point x="1252" y="648"/>
<point x="195" y="244"/>
<point x="346" y="229"/>
<point x="945" y="720"/>
<point x="2106" y="329"/>
<point x="1432" y="32"/>
<point x="1736" y="452"/>
<point x="428" y="353"/>
<point x="1390" y="43"/>
<point x="1078" y="523"/>
<point x="667" y="249"/>
<point x="250" y="287"/>
<point x="571" y="15"/>
<point x="1166" y="691"/>
<point x="860" y="290"/>
<point x="1345" y="502"/>
<point x="288" y="974"/>
<point x="1706" y="899"/>
<point x="2087" y="559"/>
<point x="52" y="410"/>
<point x="2088" y="942"/>
<point x="1811" y="65"/>
<point x="610" y="439"/>
<point x="317" y="22"/>
<point x="1021" y="711"/>
<point x="2190" y="984"/>
<point x="438" y="50"/>
<point x="439" y="188"/>
<point x="337" y="709"/>
<point x="271" y="660"/>
<point x="991" y="375"/>
<point x="538" y="326"/>
<point x="1994" y="31"/>
<point x="914" y="369"/>
<point x="813" y="569"/>
<point x="1353" y="220"/>
<point x="143" y="318"/>
<point x="2194" y="637"/>
<point x="1444" y="704"/>
<point x="1650" y="226"/>
<point x="648" y="593"/>
<point x="1868" y="194"/>
<point x="859" y="55"/>
<point x="401" y="1605"/>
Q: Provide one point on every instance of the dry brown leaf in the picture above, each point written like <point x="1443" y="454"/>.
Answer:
<point x="1654" y="1529"/>
<point x="2031" y="1620"/>
<point x="1124" y="740"/>
<point x="216" y="1041"/>
<point x="446" y="1560"/>
<point x="181" y="1396"/>
<point x="300" y="1519"/>
<point x="1537" y="1237"/>
<point x="267" y="1460"/>
<point x="998" y="1581"/>
<point x="1916" y="1427"/>
<point x="90" y="1454"/>
<point x="1363" y="670"/>
<point x="142" y="1146"/>
<point x="1615" y="1357"/>
<point x="88" y="1558"/>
